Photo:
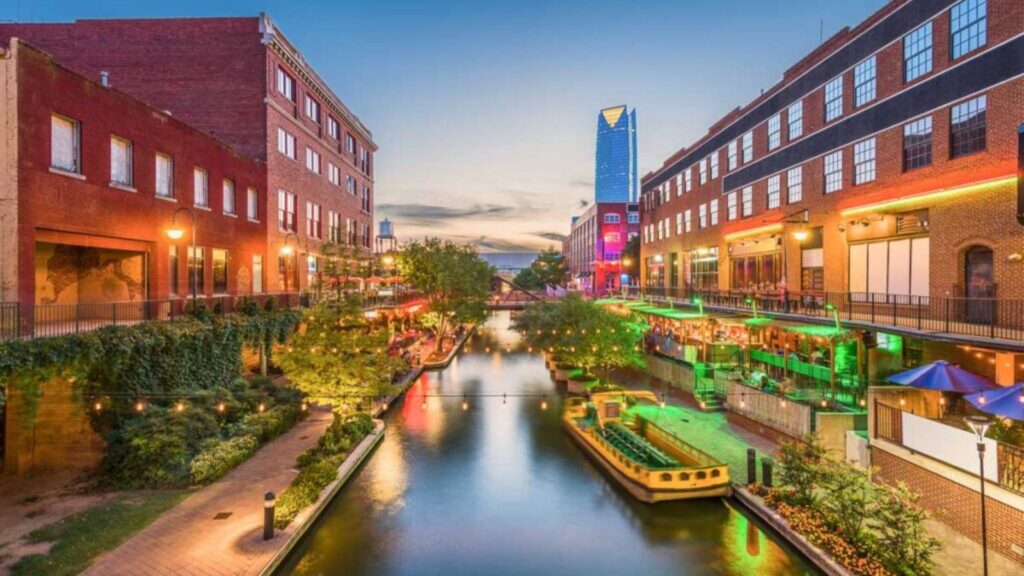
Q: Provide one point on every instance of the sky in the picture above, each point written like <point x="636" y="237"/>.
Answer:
<point x="485" y="111"/>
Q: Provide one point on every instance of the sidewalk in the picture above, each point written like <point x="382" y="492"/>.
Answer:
<point x="218" y="530"/>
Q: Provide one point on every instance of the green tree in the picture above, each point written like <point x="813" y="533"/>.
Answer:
<point x="902" y="543"/>
<point x="850" y="498"/>
<point x="337" y="358"/>
<point x="548" y="268"/>
<point x="631" y="258"/>
<point x="453" y="278"/>
<point x="341" y="262"/>
<point x="800" y="471"/>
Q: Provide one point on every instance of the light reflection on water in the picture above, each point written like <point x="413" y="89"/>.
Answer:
<point x="499" y="489"/>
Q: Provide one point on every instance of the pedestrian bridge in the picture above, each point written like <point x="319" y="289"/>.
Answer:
<point x="507" y="295"/>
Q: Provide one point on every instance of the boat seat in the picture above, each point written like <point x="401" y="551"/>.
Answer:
<point x="637" y="447"/>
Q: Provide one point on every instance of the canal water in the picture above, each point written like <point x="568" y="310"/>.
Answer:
<point x="499" y="489"/>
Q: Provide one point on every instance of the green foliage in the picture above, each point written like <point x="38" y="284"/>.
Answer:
<point x="902" y="543"/>
<point x="850" y="497"/>
<point x="582" y="333"/>
<point x="548" y="268"/>
<point x="454" y="279"/>
<point x="339" y="359"/>
<point x="218" y="459"/>
<point x="801" y="471"/>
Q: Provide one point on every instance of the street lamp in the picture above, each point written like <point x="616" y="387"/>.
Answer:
<point x="980" y="425"/>
<point x="753" y="304"/>
<point x="835" y="315"/>
<point x="287" y="251"/>
<point x="176" y="232"/>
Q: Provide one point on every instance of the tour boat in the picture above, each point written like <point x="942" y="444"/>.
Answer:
<point x="650" y="462"/>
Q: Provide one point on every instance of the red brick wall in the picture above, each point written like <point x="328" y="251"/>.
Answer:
<point x="955" y="504"/>
<point x="57" y="205"/>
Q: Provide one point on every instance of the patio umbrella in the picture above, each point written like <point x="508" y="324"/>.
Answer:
<point x="943" y="377"/>
<point x="374" y="280"/>
<point x="1008" y="402"/>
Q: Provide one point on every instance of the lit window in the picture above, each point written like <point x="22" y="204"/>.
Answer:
<point x="732" y="155"/>
<point x="748" y="201"/>
<point x="834" y="99"/>
<point x="285" y="143"/>
<point x="285" y="84"/>
<point x="795" y="184"/>
<point x="834" y="171"/>
<point x="120" y="161"/>
<point x="967" y="21"/>
<point x="65" y="144"/>
<point x="774" y="192"/>
<point x="257" y="273"/>
<point x="864" y="82"/>
<point x="229" y="196"/>
<point x="748" y="147"/>
<point x="864" y="161"/>
<point x="220" y="271"/>
<point x="732" y="206"/>
<point x="967" y="127"/>
<point x="774" y="132"/>
<point x="164" y="176"/>
<point x="172" y="269"/>
<point x="200" y="187"/>
<point x="917" y="144"/>
<point x="917" y="52"/>
<point x="795" y="119"/>
<point x="679" y="223"/>
<point x="252" y="204"/>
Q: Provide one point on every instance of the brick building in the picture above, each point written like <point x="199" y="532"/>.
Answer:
<point x="92" y="181"/>
<point x="594" y="246"/>
<point x="241" y="81"/>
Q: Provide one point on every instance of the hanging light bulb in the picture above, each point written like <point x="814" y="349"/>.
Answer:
<point x="465" y="404"/>
<point x="661" y="404"/>
<point x="179" y="407"/>
<point x="743" y="402"/>
<point x="504" y="399"/>
<point x="544" y="404"/>
<point x="903" y="401"/>
<point x="423" y="404"/>
<point x="221" y="407"/>
<point x="864" y="402"/>
<point x="782" y="403"/>
<point x="262" y="407"/>
<point x="139" y="406"/>
<point x="942" y="401"/>
<point x="97" y="406"/>
<point x="824" y="403"/>
<point x="384" y="407"/>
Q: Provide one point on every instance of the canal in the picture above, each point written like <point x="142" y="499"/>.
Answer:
<point x="470" y="482"/>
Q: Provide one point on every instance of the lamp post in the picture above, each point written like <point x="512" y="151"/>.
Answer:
<point x="980" y="425"/>
<point x="835" y="315"/>
<point x="175" y="232"/>
<point x="287" y="251"/>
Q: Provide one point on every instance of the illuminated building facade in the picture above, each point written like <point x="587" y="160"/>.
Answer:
<point x="615" y="177"/>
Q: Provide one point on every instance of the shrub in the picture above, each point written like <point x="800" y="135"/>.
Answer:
<point x="800" y="471"/>
<point x="267" y="425"/>
<point x="305" y="489"/>
<point x="154" y="449"/>
<point x="216" y="460"/>
<point x="902" y="543"/>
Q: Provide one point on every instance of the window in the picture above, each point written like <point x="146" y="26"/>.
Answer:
<point x="917" y="52"/>
<point x="252" y="203"/>
<point x="679" y="223"/>
<point x="774" y="191"/>
<point x="795" y="184"/>
<point x="65" y="144"/>
<point x="834" y="99"/>
<point x="760" y="272"/>
<point x="120" y="161"/>
<point x="312" y="220"/>
<point x="967" y="22"/>
<point x="864" y="161"/>
<point x="333" y="129"/>
<point x="732" y="207"/>
<point x="633" y="217"/>
<point x="834" y="171"/>
<point x="334" y="226"/>
<point x="172" y="270"/>
<point x="714" y="212"/>
<point x="285" y="143"/>
<point x="333" y="174"/>
<point x="864" y="82"/>
<point x="285" y="84"/>
<point x="164" y="176"/>
<point x="688" y="220"/>
<point x="312" y="109"/>
<point x="795" y="119"/>
<point x="679" y="184"/>
<point x="257" y="273"/>
<point x="731" y="155"/>
<point x="917" y="144"/>
<point x="312" y="160"/>
<point x="350" y="185"/>
<point x="200" y="188"/>
<point x="365" y="198"/>
<point x="689" y="178"/>
<point x="286" y="211"/>
<point x="704" y="171"/>
<point x="364" y="160"/>
<point x="748" y="147"/>
<point x="714" y="165"/>
<point x="898" y="267"/>
<point x="220" y="271"/>
<point x="612" y="218"/>
<point x="748" y="201"/>
<point x="967" y="127"/>
<point x="350" y="144"/>
<point x="774" y="132"/>
<point x="229" y="196"/>
<point x="197" y="269"/>
<point x="704" y="268"/>
<point x="702" y="222"/>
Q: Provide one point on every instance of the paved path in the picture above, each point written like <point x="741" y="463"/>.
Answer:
<point x="190" y="540"/>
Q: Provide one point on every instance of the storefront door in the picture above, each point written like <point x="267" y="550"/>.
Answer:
<point x="979" y="284"/>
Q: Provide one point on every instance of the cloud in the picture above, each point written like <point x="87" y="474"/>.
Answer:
<point x="427" y="214"/>
<point x="553" y="236"/>
<point x="584" y="202"/>
<point x="581" y="183"/>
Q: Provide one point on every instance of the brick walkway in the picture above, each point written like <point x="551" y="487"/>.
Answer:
<point x="190" y="540"/>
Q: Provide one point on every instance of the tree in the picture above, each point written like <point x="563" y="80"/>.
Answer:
<point x="547" y="269"/>
<point x="452" y="277"/>
<point x="337" y="358"/>
<point x="631" y="258"/>
<point x="902" y="544"/>
<point x="800" y="465"/>
<point x="340" y="263"/>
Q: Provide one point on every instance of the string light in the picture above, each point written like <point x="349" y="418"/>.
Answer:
<point x="782" y="403"/>
<point x="304" y="406"/>
<point x="98" y="406"/>
<point x="903" y="401"/>
<point x="504" y="399"/>
<point x="179" y="407"/>
<point x="465" y="404"/>
<point x="544" y="403"/>
<point x="384" y="407"/>
<point x="262" y="407"/>
<point x="139" y="406"/>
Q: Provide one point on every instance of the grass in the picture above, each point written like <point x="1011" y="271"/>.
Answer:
<point x="80" y="538"/>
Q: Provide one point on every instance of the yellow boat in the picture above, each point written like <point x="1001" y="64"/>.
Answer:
<point x="653" y="464"/>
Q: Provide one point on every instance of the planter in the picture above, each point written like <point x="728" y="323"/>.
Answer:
<point x="550" y="361"/>
<point x="564" y="371"/>
<point x="578" y="383"/>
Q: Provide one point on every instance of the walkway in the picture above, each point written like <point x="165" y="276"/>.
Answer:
<point x="218" y="530"/>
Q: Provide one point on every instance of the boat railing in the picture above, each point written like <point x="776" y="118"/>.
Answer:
<point x="694" y="453"/>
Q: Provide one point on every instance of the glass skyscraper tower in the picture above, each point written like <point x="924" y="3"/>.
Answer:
<point x="615" y="178"/>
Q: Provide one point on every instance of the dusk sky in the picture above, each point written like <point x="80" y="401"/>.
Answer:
<point x="485" y="111"/>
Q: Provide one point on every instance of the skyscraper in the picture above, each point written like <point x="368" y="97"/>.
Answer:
<point x="615" y="178"/>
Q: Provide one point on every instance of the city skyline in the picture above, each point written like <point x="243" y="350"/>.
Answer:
<point x="516" y="164"/>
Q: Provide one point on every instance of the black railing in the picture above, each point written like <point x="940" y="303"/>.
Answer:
<point x="992" y="318"/>
<point x="1011" y="467"/>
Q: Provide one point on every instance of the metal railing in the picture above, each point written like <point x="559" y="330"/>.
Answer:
<point x="1011" y="467"/>
<point x="998" y="319"/>
<point x="888" y="423"/>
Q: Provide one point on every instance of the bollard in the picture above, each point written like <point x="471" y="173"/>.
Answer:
<point x="269" y="501"/>
<point x="766" y="471"/>
<point x="751" y="466"/>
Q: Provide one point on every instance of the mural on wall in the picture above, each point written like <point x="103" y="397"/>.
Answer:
<point x="81" y="274"/>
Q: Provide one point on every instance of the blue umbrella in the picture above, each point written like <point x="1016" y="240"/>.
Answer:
<point x="1008" y="402"/>
<point x="944" y="377"/>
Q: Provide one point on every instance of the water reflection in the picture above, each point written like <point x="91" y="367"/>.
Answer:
<point x="499" y="489"/>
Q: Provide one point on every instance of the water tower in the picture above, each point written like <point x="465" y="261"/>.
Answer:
<point x="385" y="240"/>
